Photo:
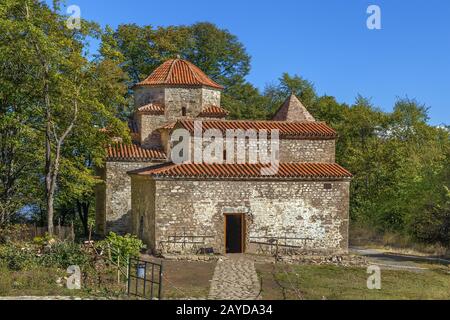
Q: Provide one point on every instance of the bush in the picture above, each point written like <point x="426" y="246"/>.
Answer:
<point x="16" y="257"/>
<point x="433" y="225"/>
<point x="41" y="241"/>
<point x="14" y="233"/>
<point x="121" y="246"/>
<point x="65" y="254"/>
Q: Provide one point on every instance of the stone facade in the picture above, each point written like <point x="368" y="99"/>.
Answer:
<point x="149" y="137"/>
<point x="290" y="150"/>
<point x="305" y="209"/>
<point x="174" y="100"/>
<point x="146" y="95"/>
<point x="113" y="197"/>
<point x="301" y="150"/>
<point x="157" y="208"/>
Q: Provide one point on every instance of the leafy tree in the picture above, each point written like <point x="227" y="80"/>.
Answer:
<point x="18" y="155"/>
<point x="72" y="97"/>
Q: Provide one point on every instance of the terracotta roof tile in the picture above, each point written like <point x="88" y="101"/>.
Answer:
<point x="240" y="171"/>
<point x="168" y="126"/>
<point x="213" y="112"/>
<point x="133" y="152"/>
<point x="179" y="72"/>
<point x="152" y="108"/>
<point x="287" y="129"/>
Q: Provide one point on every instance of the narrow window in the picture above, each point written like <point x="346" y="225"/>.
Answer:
<point x="327" y="186"/>
<point x="183" y="111"/>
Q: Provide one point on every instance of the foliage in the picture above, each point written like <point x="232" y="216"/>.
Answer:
<point x="41" y="241"/>
<point x="23" y="256"/>
<point x="18" y="257"/>
<point x="64" y="254"/>
<point x="121" y="247"/>
<point x="53" y="101"/>
<point x="399" y="162"/>
<point x="432" y="225"/>
<point x="13" y="233"/>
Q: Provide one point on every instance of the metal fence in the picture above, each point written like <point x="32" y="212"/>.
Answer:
<point x="185" y="242"/>
<point x="280" y="245"/>
<point x="144" y="279"/>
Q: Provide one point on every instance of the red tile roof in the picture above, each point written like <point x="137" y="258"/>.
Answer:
<point x="152" y="108"/>
<point x="168" y="126"/>
<point x="133" y="152"/>
<point x="240" y="171"/>
<point x="286" y="129"/>
<point x="213" y="112"/>
<point x="179" y="72"/>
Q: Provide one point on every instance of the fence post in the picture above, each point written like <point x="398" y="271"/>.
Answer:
<point x="118" y="266"/>
<point x="59" y="229"/>
<point x="160" y="280"/>
<point x="128" y="274"/>
<point x="72" y="232"/>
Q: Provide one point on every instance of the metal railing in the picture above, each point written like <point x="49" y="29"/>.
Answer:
<point x="276" y="245"/>
<point x="144" y="279"/>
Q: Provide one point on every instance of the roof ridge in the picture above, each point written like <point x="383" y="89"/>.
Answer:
<point x="169" y="72"/>
<point x="194" y="73"/>
<point x="296" y="170"/>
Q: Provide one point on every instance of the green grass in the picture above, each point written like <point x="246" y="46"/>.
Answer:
<point x="39" y="281"/>
<point x="332" y="282"/>
<point x="34" y="282"/>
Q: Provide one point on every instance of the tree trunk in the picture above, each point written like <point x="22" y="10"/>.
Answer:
<point x="48" y="160"/>
<point x="83" y="212"/>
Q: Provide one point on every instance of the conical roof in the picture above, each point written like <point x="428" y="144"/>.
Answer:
<point x="293" y="110"/>
<point x="179" y="72"/>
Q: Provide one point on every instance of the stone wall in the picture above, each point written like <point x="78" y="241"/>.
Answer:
<point x="272" y="208"/>
<point x="211" y="97"/>
<point x="113" y="197"/>
<point x="149" y="138"/>
<point x="174" y="100"/>
<point x="291" y="150"/>
<point x="144" y="95"/>
<point x="295" y="150"/>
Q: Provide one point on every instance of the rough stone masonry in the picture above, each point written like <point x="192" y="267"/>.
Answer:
<point x="187" y="207"/>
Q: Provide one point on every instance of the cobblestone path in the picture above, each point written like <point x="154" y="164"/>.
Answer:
<point x="235" y="278"/>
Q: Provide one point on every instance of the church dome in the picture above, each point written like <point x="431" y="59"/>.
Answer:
<point x="179" y="72"/>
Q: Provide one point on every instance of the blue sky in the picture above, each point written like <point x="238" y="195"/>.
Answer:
<point x="325" y="41"/>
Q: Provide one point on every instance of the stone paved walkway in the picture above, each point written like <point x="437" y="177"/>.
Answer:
<point x="235" y="278"/>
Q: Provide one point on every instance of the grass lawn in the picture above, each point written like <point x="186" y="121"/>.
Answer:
<point x="332" y="282"/>
<point x="43" y="282"/>
<point x="35" y="282"/>
<point x="181" y="279"/>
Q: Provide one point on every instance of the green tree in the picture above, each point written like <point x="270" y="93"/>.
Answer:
<point x="72" y="98"/>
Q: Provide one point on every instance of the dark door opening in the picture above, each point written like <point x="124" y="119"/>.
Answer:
<point x="234" y="233"/>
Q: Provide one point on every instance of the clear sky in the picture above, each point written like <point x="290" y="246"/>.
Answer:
<point x="325" y="41"/>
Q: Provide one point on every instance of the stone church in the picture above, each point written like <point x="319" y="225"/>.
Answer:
<point x="222" y="207"/>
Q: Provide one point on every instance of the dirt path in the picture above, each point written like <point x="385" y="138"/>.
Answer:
<point x="235" y="278"/>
